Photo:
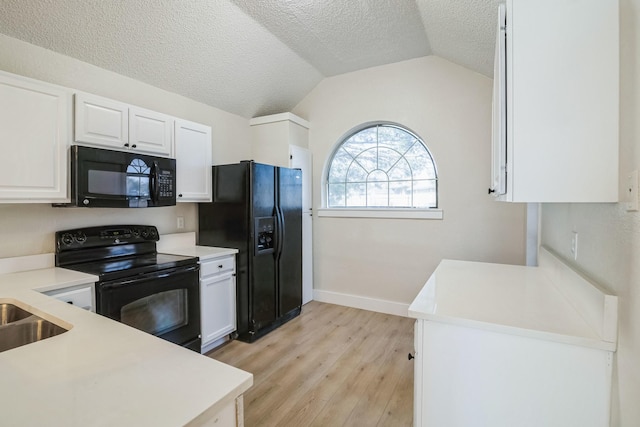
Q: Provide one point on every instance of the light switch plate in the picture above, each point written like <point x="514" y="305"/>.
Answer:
<point x="632" y="191"/>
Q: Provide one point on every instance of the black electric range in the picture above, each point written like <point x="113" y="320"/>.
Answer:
<point x="156" y="293"/>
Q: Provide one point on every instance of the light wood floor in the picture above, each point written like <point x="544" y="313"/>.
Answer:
<point x="331" y="366"/>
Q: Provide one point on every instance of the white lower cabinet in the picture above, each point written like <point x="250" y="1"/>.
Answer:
<point x="470" y="377"/>
<point x="231" y="415"/>
<point x="217" y="300"/>
<point x="81" y="296"/>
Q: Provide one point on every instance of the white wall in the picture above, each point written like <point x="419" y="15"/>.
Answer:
<point x="608" y="235"/>
<point x="450" y="108"/>
<point x="28" y="229"/>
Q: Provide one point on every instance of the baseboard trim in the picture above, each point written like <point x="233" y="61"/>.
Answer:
<point x="364" y="303"/>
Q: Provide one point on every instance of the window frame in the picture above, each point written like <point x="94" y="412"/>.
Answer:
<point x="377" y="212"/>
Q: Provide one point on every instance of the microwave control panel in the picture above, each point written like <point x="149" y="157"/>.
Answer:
<point x="166" y="182"/>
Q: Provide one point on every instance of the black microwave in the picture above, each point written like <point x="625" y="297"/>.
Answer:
<point x="103" y="178"/>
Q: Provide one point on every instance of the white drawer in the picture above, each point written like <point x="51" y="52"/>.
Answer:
<point x="80" y="297"/>
<point x="218" y="265"/>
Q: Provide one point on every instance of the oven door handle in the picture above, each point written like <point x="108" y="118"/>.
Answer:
<point x="144" y="277"/>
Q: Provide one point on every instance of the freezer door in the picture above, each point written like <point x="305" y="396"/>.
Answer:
<point x="289" y="245"/>
<point x="263" y="283"/>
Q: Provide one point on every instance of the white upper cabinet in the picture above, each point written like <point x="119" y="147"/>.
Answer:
<point x="101" y="121"/>
<point x="193" y="161"/>
<point x="272" y="135"/>
<point x="555" y="117"/>
<point x="35" y="119"/>
<point x="106" y="123"/>
<point x="150" y="132"/>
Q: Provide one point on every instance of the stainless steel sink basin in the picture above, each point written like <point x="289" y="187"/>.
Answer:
<point x="19" y="327"/>
<point x="11" y="313"/>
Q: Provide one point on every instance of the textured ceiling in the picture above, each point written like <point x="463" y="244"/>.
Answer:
<point x="252" y="57"/>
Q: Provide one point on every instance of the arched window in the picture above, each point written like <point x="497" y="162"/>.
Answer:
<point x="382" y="166"/>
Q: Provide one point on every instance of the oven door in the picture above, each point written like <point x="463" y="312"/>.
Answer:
<point x="164" y="303"/>
<point x="116" y="179"/>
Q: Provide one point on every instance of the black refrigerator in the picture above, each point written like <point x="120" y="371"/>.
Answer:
<point x="257" y="209"/>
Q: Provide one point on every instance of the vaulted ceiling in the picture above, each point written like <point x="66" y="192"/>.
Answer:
<point x="252" y="57"/>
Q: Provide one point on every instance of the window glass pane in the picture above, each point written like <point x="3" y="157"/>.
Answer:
<point x="356" y="195"/>
<point x="400" y="194"/>
<point x="392" y="137"/>
<point x="424" y="194"/>
<point x="420" y="162"/>
<point x="336" y="196"/>
<point x="378" y="194"/>
<point x="400" y="171"/>
<point x="356" y="173"/>
<point x="382" y="166"/>
<point x="368" y="160"/>
<point x="361" y="141"/>
<point x="387" y="158"/>
<point x="339" y="166"/>
<point x="378" y="176"/>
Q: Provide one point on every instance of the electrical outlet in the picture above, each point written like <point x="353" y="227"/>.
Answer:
<point x="632" y="192"/>
<point x="574" y="245"/>
<point x="180" y="222"/>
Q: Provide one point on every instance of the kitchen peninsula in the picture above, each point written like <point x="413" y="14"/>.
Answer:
<point x="104" y="373"/>
<point x="508" y="345"/>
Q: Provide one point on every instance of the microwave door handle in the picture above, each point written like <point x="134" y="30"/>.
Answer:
<point x="154" y="182"/>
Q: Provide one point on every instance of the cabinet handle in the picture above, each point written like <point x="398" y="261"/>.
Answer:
<point x="220" y="266"/>
<point x="411" y="356"/>
<point x="133" y="146"/>
<point x="180" y="195"/>
<point x="491" y="190"/>
<point x="126" y="144"/>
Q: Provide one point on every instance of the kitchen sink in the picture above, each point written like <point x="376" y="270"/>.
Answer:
<point x="10" y="313"/>
<point x="19" y="327"/>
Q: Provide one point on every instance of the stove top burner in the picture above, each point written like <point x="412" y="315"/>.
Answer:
<point x="114" y="252"/>
<point x="111" y="269"/>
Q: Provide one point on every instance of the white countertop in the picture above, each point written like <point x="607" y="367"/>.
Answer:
<point x="511" y="299"/>
<point x="202" y="252"/>
<point x="101" y="372"/>
<point x="185" y="244"/>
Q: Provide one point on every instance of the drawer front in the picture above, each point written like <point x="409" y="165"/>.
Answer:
<point x="219" y="265"/>
<point x="82" y="297"/>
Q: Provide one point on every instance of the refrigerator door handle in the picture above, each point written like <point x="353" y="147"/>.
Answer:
<point x="280" y="231"/>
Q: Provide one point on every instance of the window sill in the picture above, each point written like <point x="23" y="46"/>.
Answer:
<point x="381" y="213"/>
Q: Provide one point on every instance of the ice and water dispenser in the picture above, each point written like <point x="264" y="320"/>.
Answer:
<point x="264" y="234"/>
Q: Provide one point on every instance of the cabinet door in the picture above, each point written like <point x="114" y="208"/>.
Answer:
<point x="418" y="379"/>
<point x="217" y="306"/>
<point x="193" y="161"/>
<point x="35" y="120"/>
<point x="562" y="102"/>
<point x="101" y="121"/>
<point x="301" y="158"/>
<point x="150" y="132"/>
<point x="80" y="296"/>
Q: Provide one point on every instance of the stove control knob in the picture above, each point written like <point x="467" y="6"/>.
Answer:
<point x="145" y="233"/>
<point x="136" y="232"/>
<point x="67" y="239"/>
<point x="152" y="233"/>
<point x="80" y="237"/>
<point x="85" y="201"/>
<point x="116" y="241"/>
